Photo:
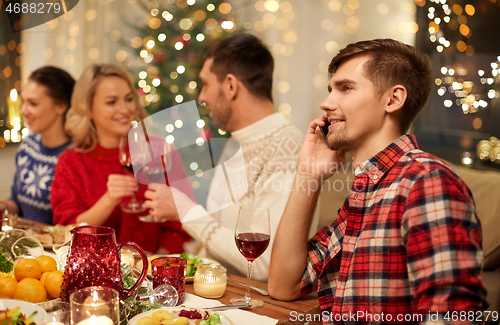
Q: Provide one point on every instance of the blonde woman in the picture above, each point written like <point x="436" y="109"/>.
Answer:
<point x="89" y="182"/>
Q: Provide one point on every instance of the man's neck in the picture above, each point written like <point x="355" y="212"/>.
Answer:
<point x="251" y="110"/>
<point x="372" y="146"/>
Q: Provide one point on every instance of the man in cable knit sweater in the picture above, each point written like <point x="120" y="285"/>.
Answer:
<point x="237" y="89"/>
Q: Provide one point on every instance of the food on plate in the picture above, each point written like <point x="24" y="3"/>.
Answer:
<point x="27" y="268"/>
<point x="47" y="263"/>
<point x="192" y="262"/>
<point x="53" y="234"/>
<point x="30" y="290"/>
<point x="6" y="266"/>
<point x="53" y="283"/>
<point x="31" y="283"/>
<point x="15" y="317"/>
<point x="183" y="316"/>
<point x="7" y="286"/>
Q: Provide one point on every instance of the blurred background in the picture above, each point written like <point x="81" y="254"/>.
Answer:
<point x="161" y="43"/>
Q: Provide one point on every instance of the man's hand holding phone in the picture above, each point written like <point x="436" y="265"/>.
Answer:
<point x="324" y="128"/>
<point x="316" y="159"/>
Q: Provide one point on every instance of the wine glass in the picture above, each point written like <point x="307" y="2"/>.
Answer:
<point x="126" y="160"/>
<point x="158" y="168"/>
<point x="252" y="235"/>
<point x="165" y="294"/>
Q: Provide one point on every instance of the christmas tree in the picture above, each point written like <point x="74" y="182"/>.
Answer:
<point x="169" y="52"/>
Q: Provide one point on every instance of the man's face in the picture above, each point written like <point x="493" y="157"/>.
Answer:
<point x="213" y="96"/>
<point x="352" y="107"/>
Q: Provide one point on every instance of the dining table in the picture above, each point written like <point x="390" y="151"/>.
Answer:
<point x="294" y="312"/>
<point x="284" y="311"/>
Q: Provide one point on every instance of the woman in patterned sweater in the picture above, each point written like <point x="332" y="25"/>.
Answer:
<point x="46" y="98"/>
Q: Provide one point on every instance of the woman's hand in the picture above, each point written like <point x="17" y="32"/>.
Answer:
<point x="161" y="203"/>
<point x="120" y="186"/>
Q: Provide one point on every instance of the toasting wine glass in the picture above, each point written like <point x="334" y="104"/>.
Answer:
<point x="252" y="235"/>
<point x="157" y="169"/>
<point x="133" y="206"/>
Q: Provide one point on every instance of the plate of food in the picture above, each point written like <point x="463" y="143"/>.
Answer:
<point x="192" y="262"/>
<point x="15" y="311"/>
<point x="180" y="316"/>
<point x="53" y="235"/>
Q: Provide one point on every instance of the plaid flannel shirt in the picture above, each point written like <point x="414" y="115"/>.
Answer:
<point x="406" y="241"/>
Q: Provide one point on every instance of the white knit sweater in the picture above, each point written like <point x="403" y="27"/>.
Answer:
<point x="270" y="148"/>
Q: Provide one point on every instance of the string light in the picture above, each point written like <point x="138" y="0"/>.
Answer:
<point x="200" y="141"/>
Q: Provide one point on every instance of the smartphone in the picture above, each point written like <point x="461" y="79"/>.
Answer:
<point x="324" y="128"/>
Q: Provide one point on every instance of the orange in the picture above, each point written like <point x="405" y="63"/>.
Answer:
<point x="30" y="290"/>
<point x="43" y="277"/>
<point x="53" y="283"/>
<point x="47" y="263"/>
<point x="7" y="287"/>
<point x="27" y="268"/>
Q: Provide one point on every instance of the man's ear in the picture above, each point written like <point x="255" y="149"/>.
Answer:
<point x="230" y="86"/>
<point x="396" y="98"/>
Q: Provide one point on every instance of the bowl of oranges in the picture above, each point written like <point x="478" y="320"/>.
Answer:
<point x="33" y="280"/>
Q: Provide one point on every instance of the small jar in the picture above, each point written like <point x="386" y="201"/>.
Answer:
<point x="210" y="280"/>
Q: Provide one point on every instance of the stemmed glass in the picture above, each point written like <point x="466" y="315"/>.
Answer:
<point x="126" y="160"/>
<point x="157" y="169"/>
<point x="252" y="235"/>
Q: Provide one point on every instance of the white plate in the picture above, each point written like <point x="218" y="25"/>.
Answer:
<point x="26" y="308"/>
<point x="224" y="320"/>
<point x="188" y="279"/>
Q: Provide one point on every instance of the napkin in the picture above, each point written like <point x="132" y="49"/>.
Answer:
<point x="237" y="316"/>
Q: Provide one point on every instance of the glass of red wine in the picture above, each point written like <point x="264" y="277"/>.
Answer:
<point x="158" y="168"/>
<point x="133" y="206"/>
<point x="252" y="235"/>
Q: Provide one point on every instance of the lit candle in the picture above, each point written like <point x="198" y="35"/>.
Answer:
<point x="96" y="320"/>
<point x="210" y="290"/>
<point x="14" y="107"/>
<point x="210" y="281"/>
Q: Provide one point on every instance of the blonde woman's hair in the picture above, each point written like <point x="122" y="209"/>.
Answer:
<point x="79" y="125"/>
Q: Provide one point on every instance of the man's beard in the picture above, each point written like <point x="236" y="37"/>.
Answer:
<point x="338" y="140"/>
<point x="223" y="114"/>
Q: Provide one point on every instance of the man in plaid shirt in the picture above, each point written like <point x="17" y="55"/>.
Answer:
<point x="406" y="245"/>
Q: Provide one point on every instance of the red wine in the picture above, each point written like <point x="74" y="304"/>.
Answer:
<point x="154" y="174"/>
<point x="252" y="245"/>
<point x="155" y="171"/>
<point x="128" y="168"/>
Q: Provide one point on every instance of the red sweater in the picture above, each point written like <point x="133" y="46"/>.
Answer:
<point x="80" y="180"/>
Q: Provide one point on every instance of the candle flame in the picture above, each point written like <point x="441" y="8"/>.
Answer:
<point x="93" y="320"/>
<point x="95" y="295"/>
<point x="13" y="94"/>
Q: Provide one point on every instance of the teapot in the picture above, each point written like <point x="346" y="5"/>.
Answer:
<point x="94" y="260"/>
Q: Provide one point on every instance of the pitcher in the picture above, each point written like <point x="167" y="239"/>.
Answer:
<point x="94" y="260"/>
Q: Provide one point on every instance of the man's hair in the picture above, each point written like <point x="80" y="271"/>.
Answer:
<point x="392" y="63"/>
<point x="246" y="57"/>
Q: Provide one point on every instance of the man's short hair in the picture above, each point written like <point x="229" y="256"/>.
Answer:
<point x="246" y="57"/>
<point x="393" y="63"/>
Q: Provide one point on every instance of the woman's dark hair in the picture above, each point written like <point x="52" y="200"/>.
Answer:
<point x="58" y="82"/>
